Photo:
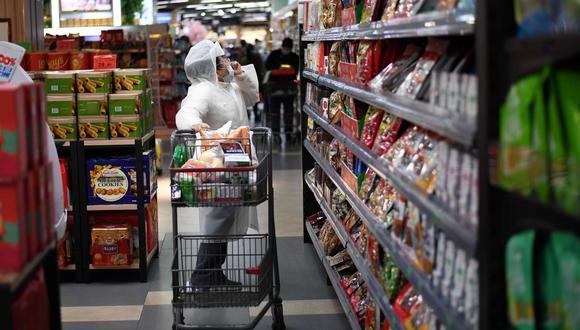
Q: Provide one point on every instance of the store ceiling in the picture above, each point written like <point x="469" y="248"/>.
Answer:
<point x="244" y="12"/>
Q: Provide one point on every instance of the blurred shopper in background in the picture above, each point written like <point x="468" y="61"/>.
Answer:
<point x="282" y="59"/>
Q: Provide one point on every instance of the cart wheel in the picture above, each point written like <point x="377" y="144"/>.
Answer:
<point x="278" y="317"/>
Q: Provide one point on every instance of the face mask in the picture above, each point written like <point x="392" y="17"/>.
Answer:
<point x="230" y="76"/>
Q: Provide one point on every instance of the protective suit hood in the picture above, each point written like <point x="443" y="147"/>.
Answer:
<point x="200" y="63"/>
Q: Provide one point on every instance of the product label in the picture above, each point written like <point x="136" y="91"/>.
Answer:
<point x="60" y="108"/>
<point x="123" y="107"/>
<point x="111" y="184"/>
<point x="59" y="85"/>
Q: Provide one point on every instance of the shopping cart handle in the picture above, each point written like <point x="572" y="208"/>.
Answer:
<point x="253" y="270"/>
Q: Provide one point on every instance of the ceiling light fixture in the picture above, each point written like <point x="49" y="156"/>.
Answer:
<point x="202" y="13"/>
<point x="162" y="2"/>
<point x="179" y="1"/>
<point x="210" y="1"/>
<point x="233" y="11"/>
<point x="221" y="12"/>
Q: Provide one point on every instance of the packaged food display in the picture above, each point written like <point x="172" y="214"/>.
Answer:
<point x="57" y="61"/>
<point x="79" y="60"/>
<point x="114" y="180"/>
<point x="390" y="10"/>
<point x="393" y="74"/>
<point x="414" y="81"/>
<point x="61" y="105"/>
<point x="387" y="134"/>
<point x="373" y="120"/>
<point x="92" y="105"/>
<point x="59" y="82"/>
<point x="125" y="126"/>
<point x="111" y="246"/>
<point x="130" y="80"/>
<point x="370" y="11"/>
<point x="93" y="82"/>
<point x="36" y="61"/>
<point x="63" y="128"/>
<point x="93" y="127"/>
<point x="125" y="104"/>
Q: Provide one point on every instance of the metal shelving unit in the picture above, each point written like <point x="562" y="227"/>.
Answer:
<point x="373" y="285"/>
<point x="445" y="313"/>
<point x="134" y="147"/>
<point x="417" y="112"/>
<point x="439" y="23"/>
<point x="334" y="280"/>
<point x="450" y="223"/>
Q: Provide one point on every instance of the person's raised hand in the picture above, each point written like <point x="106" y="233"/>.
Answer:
<point x="200" y="127"/>
<point x="237" y="68"/>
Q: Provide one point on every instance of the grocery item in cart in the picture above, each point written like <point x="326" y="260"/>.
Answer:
<point x="60" y="105"/>
<point x="111" y="246"/>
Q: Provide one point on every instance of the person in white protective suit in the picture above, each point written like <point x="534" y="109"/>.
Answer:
<point x="220" y="92"/>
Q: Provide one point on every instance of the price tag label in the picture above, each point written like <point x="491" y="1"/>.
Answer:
<point x="104" y="62"/>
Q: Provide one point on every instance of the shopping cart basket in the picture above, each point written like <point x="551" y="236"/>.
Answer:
<point x="248" y="259"/>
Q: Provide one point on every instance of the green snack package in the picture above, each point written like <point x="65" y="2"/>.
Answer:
<point x="125" y="104"/>
<point x="179" y="156"/>
<point x="63" y="128"/>
<point x="549" y="294"/>
<point x="60" y="105"/>
<point x="539" y="169"/>
<point x="58" y="82"/>
<point x="94" y="82"/>
<point x="187" y="196"/>
<point x="566" y="251"/>
<point x="519" y="279"/>
<point x="557" y="146"/>
<point x="567" y="84"/>
<point x="125" y="126"/>
<point x="92" y="104"/>
<point x="93" y="127"/>
<point x="515" y="136"/>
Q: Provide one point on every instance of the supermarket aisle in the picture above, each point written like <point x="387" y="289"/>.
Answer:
<point x="309" y="303"/>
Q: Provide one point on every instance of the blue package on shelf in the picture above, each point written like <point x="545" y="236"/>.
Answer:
<point x="114" y="180"/>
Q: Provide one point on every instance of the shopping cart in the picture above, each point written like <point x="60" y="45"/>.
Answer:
<point x="250" y="259"/>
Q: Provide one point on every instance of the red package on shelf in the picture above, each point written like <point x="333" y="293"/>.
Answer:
<point x="387" y="134"/>
<point x="111" y="245"/>
<point x="14" y="241"/>
<point x="372" y="123"/>
<point x="405" y="302"/>
<point x="13" y="151"/>
<point x="41" y="122"/>
<point x="151" y="217"/>
<point x="64" y="181"/>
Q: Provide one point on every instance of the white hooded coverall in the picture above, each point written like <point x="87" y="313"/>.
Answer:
<point x="215" y="103"/>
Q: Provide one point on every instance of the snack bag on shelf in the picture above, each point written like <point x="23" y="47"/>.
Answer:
<point x="400" y="215"/>
<point x="519" y="280"/>
<point x="515" y="133"/>
<point x="394" y="73"/>
<point x="389" y="10"/>
<point x="565" y="247"/>
<point x="458" y="293"/>
<point x="405" y="302"/>
<point x="368" y="185"/>
<point x="368" y="58"/>
<point x="373" y="120"/>
<point x="570" y="103"/>
<point x="334" y="58"/>
<point x="472" y="293"/>
<point x="420" y="316"/>
<point x="393" y="279"/>
<point x="407" y="8"/>
<point x="387" y="134"/>
<point x="370" y="11"/>
<point x="413" y="82"/>
<point x="446" y="4"/>
<point x="382" y="199"/>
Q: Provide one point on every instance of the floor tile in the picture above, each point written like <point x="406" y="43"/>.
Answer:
<point x="121" y="325"/>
